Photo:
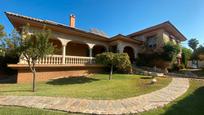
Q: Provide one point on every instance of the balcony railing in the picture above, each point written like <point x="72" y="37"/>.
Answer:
<point x="58" y="59"/>
<point x="79" y="60"/>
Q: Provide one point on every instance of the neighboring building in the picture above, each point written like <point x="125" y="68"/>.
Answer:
<point x="196" y="63"/>
<point x="76" y="47"/>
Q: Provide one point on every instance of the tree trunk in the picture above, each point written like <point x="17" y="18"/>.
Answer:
<point x="34" y="72"/>
<point x="111" y="72"/>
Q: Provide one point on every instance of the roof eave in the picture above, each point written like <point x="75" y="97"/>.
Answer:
<point x="40" y="21"/>
<point x="157" y="27"/>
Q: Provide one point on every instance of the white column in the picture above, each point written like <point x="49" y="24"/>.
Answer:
<point x="107" y="49"/>
<point x="64" y="45"/>
<point x="63" y="53"/>
<point x="90" y="52"/>
<point x="135" y="53"/>
<point x="90" y="49"/>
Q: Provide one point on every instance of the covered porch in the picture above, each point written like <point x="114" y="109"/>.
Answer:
<point x="71" y="52"/>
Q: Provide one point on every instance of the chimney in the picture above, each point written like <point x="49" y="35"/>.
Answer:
<point x="72" y="21"/>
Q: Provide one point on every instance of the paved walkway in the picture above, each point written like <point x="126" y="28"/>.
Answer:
<point x="158" y="98"/>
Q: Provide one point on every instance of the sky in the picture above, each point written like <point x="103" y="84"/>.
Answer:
<point x="113" y="16"/>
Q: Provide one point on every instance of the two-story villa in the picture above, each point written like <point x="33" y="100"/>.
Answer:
<point x="77" y="48"/>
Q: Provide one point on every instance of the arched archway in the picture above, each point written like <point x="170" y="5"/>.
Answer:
<point x="77" y="49"/>
<point x="130" y="51"/>
<point x="58" y="46"/>
<point x="97" y="49"/>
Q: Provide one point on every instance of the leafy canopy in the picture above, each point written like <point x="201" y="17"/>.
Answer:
<point x="193" y="43"/>
<point x="120" y="61"/>
<point x="2" y="46"/>
<point x="170" y="51"/>
<point x="2" y="33"/>
<point x="186" y="55"/>
<point x="200" y="52"/>
<point x="35" y="46"/>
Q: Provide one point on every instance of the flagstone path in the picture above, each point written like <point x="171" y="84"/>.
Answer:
<point x="141" y="103"/>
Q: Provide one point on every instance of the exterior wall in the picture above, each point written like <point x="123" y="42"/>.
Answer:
<point x="166" y="37"/>
<point x="158" y="39"/>
<point x="65" y="38"/>
<point x="144" y="36"/>
<point x="200" y="64"/>
<point x="58" y="46"/>
<point x="162" y="37"/>
<point x="47" y="73"/>
<point x="75" y="49"/>
<point x="121" y="45"/>
<point x="98" y="49"/>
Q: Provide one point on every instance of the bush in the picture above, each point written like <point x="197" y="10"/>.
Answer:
<point x="120" y="61"/>
<point x="5" y="60"/>
<point x="186" y="55"/>
<point x="151" y="60"/>
<point x="160" y="59"/>
<point x="176" y="67"/>
<point x="170" y="51"/>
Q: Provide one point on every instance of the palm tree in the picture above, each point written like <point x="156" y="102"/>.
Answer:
<point x="193" y="44"/>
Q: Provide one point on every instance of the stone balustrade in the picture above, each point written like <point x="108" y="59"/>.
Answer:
<point x="57" y="59"/>
<point x="50" y="59"/>
<point x="79" y="60"/>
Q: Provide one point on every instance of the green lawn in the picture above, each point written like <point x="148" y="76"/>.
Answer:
<point x="95" y="87"/>
<point x="10" y="110"/>
<point x="191" y="103"/>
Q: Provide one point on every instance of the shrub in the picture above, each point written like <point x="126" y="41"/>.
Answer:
<point x="5" y="60"/>
<point x="170" y="52"/>
<point x="105" y="58"/>
<point x="186" y="55"/>
<point x="160" y="59"/>
<point x="176" y="67"/>
<point x="120" y="61"/>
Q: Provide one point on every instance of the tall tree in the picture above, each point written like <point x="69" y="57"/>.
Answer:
<point x="193" y="43"/>
<point x="186" y="55"/>
<point x="200" y="52"/>
<point x="171" y="51"/>
<point x="33" y="47"/>
<point x="2" y="34"/>
<point x="119" y="61"/>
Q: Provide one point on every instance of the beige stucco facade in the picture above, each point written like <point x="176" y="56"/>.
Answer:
<point x="75" y="49"/>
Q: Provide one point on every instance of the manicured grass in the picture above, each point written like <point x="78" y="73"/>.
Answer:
<point x="95" y="87"/>
<point x="10" y="110"/>
<point x="191" y="103"/>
